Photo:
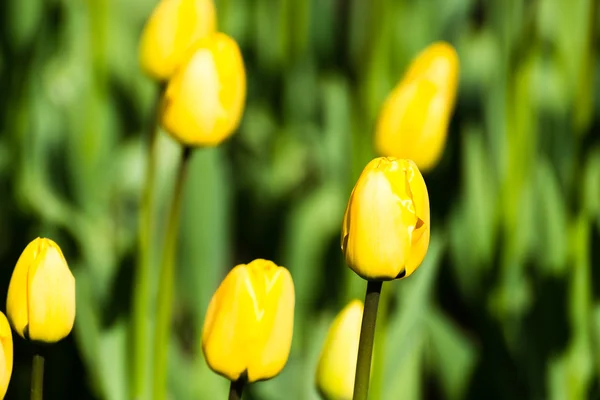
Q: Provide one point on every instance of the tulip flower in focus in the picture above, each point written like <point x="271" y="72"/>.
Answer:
<point x="337" y="363"/>
<point x="413" y="122"/>
<point x="204" y="100"/>
<point x="170" y="33"/>
<point x="6" y="355"/>
<point x="385" y="233"/>
<point x="248" y="327"/>
<point x="41" y="295"/>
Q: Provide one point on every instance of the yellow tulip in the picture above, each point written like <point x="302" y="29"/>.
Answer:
<point x="41" y="294"/>
<point x="249" y="323"/>
<point x="337" y="363"/>
<point x="385" y="233"/>
<point x="170" y="33"/>
<point x="413" y="122"/>
<point x="6" y="354"/>
<point x="204" y="100"/>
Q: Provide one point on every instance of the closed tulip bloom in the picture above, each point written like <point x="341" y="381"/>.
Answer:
<point x="170" y="33"/>
<point x="413" y="122"/>
<point x="337" y="363"/>
<point x="6" y="354"/>
<point x="41" y="294"/>
<point x="385" y="233"/>
<point x="204" y="100"/>
<point x="249" y="323"/>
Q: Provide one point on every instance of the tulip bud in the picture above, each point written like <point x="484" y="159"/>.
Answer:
<point x="249" y="323"/>
<point x="414" y="119"/>
<point x="337" y="363"/>
<point x="385" y="233"/>
<point x="204" y="100"/>
<point x="41" y="294"/>
<point x="171" y="32"/>
<point x="6" y="354"/>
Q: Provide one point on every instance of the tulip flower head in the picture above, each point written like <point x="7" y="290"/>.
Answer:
<point x="248" y="327"/>
<point x="204" y="100"/>
<point x="385" y="233"/>
<point x="6" y="354"/>
<point x="41" y="294"/>
<point x="337" y="363"/>
<point x="413" y="122"/>
<point x="172" y="30"/>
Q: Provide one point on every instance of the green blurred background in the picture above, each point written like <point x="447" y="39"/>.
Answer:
<point x="507" y="302"/>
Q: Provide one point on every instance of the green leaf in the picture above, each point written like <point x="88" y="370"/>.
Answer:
<point x="407" y="325"/>
<point x="87" y="329"/>
<point x="551" y="225"/>
<point x="271" y="35"/>
<point x="297" y="380"/>
<point x="286" y="168"/>
<point x="336" y="144"/>
<point x="407" y="381"/>
<point x="479" y="58"/>
<point x="114" y="355"/>
<point x="204" y="232"/>
<point x="480" y="196"/>
<point x="24" y="21"/>
<point x="557" y="380"/>
<point x="454" y="355"/>
<point x="190" y="378"/>
<point x="596" y="337"/>
<point x="591" y="185"/>
<point x="313" y="223"/>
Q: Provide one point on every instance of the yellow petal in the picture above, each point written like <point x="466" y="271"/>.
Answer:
<point x="204" y="100"/>
<point x="3" y="373"/>
<point x="170" y="33"/>
<point x="386" y="227"/>
<point x="17" y="303"/>
<point x="51" y="296"/>
<point x="414" y="119"/>
<point x="41" y="293"/>
<point x="346" y="222"/>
<point x="420" y="199"/>
<point x="413" y="124"/>
<point x="439" y="64"/>
<point x="275" y="327"/>
<point x="227" y="321"/>
<point x="6" y="355"/>
<point x="380" y="226"/>
<point x="249" y="322"/>
<point x="337" y="362"/>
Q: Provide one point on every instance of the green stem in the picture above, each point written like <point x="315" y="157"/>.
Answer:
<point x="37" y="377"/>
<point x="235" y="389"/>
<point x="141" y="287"/>
<point x="367" y="336"/>
<point x="379" y="346"/>
<point x="166" y="282"/>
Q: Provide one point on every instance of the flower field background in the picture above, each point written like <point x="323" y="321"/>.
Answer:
<point x="507" y="302"/>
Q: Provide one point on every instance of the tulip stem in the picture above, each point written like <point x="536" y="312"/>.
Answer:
<point x="365" y="345"/>
<point x="166" y="282"/>
<point x="141" y="287"/>
<point x="379" y="346"/>
<point x="235" y="389"/>
<point x="37" y="377"/>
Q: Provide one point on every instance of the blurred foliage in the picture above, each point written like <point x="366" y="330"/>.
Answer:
<point x="507" y="303"/>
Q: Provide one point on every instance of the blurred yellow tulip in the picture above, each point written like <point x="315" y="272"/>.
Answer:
<point x="249" y="323"/>
<point x="337" y="363"/>
<point x="6" y="354"/>
<point x="385" y="233"/>
<point x="413" y="122"/>
<point x="172" y="30"/>
<point x="204" y="100"/>
<point x="41" y="294"/>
